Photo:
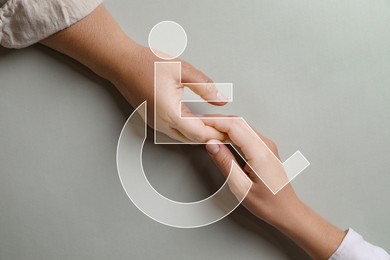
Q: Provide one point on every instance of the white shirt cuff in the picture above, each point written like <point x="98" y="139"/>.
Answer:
<point x="354" y="247"/>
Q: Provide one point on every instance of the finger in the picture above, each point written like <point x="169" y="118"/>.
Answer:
<point x="238" y="181"/>
<point x="241" y="134"/>
<point x="197" y="131"/>
<point x="202" y="85"/>
<point x="194" y="129"/>
<point x="259" y="157"/>
<point x="209" y="92"/>
<point x="271" y="145"/>
<point x="176" y="135"/>
<point x="221" y="156"/>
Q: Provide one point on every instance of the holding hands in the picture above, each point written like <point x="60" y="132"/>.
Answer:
<point x="98" y="42"/>
<point x="284" y="210"/>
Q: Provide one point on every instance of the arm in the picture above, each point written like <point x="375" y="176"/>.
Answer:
<point x="284" y="210"/>
<point x="319" y="238"/>
<point x="98" y="42"/>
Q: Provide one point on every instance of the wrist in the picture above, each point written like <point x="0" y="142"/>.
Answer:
<point x="290" y="217"/>
<point x="126" y="71"/>
<point x="287" y="214"/>
<point x="119" y="61"/>
<point x="319" y="238"/>
<point x="132" y="73"/>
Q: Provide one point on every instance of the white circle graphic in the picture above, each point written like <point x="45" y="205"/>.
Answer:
<point x="167" y="40"/>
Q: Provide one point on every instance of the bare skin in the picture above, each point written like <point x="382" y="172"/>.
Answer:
<point x="98" y="42"/>
<point x="285" y="211"/>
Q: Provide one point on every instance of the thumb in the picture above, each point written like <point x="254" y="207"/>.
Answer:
<point x="202" y="85"/>
<point x="239" y="183"/>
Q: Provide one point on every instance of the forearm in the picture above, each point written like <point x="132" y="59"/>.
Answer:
<point x="98" y="42"/>
<point x="283" y="210"/>
<point x="310" y="231"/>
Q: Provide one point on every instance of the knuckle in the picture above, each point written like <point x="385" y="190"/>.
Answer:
<point x="265" y="155"/>
<point x="237" y="123"/>
<point x="199" y="137"/>
<point x="226" y="163"/>
<point x="185" y="65"/>
<point x="172" y="121"/>
<point x="209" y="87"/>
<point x="272" y="146"/>
<point x="208" y="81"/>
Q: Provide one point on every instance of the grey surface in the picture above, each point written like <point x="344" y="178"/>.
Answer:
<point x="311" y="75"/>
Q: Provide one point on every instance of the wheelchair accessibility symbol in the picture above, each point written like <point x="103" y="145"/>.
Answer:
<point x="171" y="39"/>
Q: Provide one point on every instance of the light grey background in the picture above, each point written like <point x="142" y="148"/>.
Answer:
<point x="311" y="75"/>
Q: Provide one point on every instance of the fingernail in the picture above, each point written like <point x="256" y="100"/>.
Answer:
<point x="212" y="148"/>
<point x="222" y="97"/>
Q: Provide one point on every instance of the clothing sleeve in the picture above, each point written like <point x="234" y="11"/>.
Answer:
<point x="354" y="247"/>
<point x="25" y="22"/>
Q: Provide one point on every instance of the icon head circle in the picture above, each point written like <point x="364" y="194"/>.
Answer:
<point x="167" y="40"/>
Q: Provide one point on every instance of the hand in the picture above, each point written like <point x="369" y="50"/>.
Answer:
<point x="285" y="211"/>
<point x="259" y="152"/>
<point x="98" y="42"/>
<point x="137" y="84"/>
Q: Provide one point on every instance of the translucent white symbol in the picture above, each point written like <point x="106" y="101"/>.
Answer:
<point x="167" y="40"/>
<point x="133" y="135"/>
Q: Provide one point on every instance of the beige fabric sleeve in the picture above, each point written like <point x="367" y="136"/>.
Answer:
<point x="25" y="22"/>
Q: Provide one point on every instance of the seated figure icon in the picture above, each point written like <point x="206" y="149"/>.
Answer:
<point x="168" y="40"/>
